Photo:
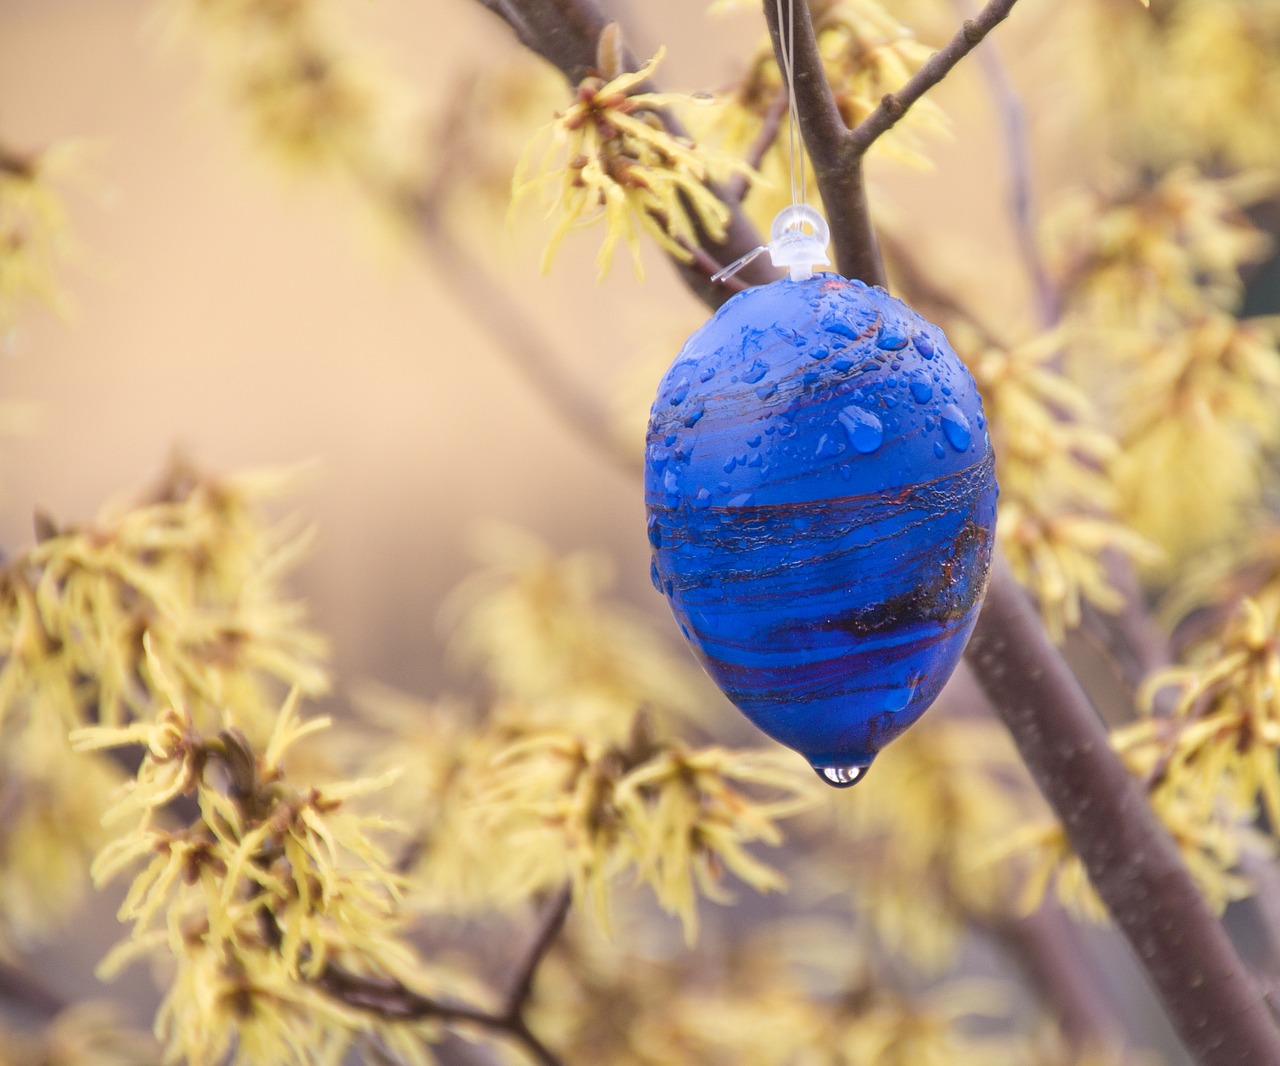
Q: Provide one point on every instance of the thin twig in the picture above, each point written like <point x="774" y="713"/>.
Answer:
<point x="770" y="125"/>
<point x="1133" y="864"/>
<point x="544" y="936"/>
<point x="893" y="106"/>
<point x="20" y="988"/>
<point x="391" y="999"/>
<point x="516" y="336"/>
<point x="1052" y="955"/>
<point x="1017" y="149"/>
<point x="519" y="340"/>
<point x="837" y="171"/>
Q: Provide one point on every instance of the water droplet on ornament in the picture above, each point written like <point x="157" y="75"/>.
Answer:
<point x="753" y="442"/>
<point x="828" y="447"/>
<point x="702" y="499"/>
<point x="680" y="393"/>
<point x="729" y="464"/>
<point x="755" y="460"/>
<point x="707" y="374"/>
<point x="755" y="372"/>
<point x="924" y="345"/>
<point x="655" y="531"/>
<point x="653" y="575"/>
<point x="890" y="338"/>
<point x="939" y="450"/>
<point x="866" y="433"/>
<point x="766" y="390"/>
<point x="921" y="391"/>
<point x="840" y="776"/>
<point x="956" y="427"/>
<point x="692" y="420"/>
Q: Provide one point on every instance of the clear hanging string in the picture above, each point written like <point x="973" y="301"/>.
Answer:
<point x="789" y="244"/>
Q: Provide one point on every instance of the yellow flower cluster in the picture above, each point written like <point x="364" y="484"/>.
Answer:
<point x="195" y="571"/>
<point x="1202" y="408"/>
<point x="258" y="899"/>
<point x="1152" y="279"/>
<point x="1197" y="81"/>
<point x="544" y="634"/>
<point x="307" y="98"/>
<point x="756" y="1005"/>
<point x="679" y="817"/>
<point x="33" y="229"/>
<point x="866" y="53"/>
<point x="1204" y="749"/>
<point x="612" y="157"/>
<point x="1141" y="256"/>
<point x="1057" y="498"/>
<point x="1219" y="736"/>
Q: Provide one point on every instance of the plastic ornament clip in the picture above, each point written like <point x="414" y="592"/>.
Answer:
<point x="789" y="245"/>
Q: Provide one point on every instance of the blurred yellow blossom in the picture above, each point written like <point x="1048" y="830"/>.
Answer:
<point x="1132" y="256"/>
<point x="546" y="636"/>
<point x="915" y="866"/>
<point x="1054" y="461"/>
<point x="1197" y="426"/>
<point x="88" y="1034"/>
<point x="1197" y="79"/>
<point x="34" y="239"/>
<point x="195" y="571"/>
<point x="611" y="156"/>
<point x="309" y="98"/>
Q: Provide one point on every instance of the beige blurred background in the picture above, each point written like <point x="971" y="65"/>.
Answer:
<point x="250" y="318"/>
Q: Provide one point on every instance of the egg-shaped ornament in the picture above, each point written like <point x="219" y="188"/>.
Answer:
<point x="821" y="500"/>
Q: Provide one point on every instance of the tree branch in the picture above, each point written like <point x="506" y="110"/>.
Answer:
<point x="544" y="936"/>
<point x="894" y="105"/>
<point x="1133" y="864"/>
<point x="738" y="186"/>
<point x="28" y="994"/>
<point x="565" y="33"/>
<point x="1013" y="124"/>
<point x="837" y="172"/>
<point x="395" y="1001"/>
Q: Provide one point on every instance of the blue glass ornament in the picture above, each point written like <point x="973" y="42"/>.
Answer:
<point x="821" y="502"/>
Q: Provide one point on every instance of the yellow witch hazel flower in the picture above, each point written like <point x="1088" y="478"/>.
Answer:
<point x="1220" y="739"/>
<point x="910" y="865"/>
<point x="1130" y="257"/>
<point x="1057" y="498"/>
<point x="87" y="1034"/>
<point x="257" y="900"/>
<point x="308" y="99"/>
<point x="1201" y="407"/>
<point x="547" y="637"/>
<point x="680" y="817"/>
<point x="618" y="162"/>
<point x="33" y="230"/>
<point x="866" y="53"/>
